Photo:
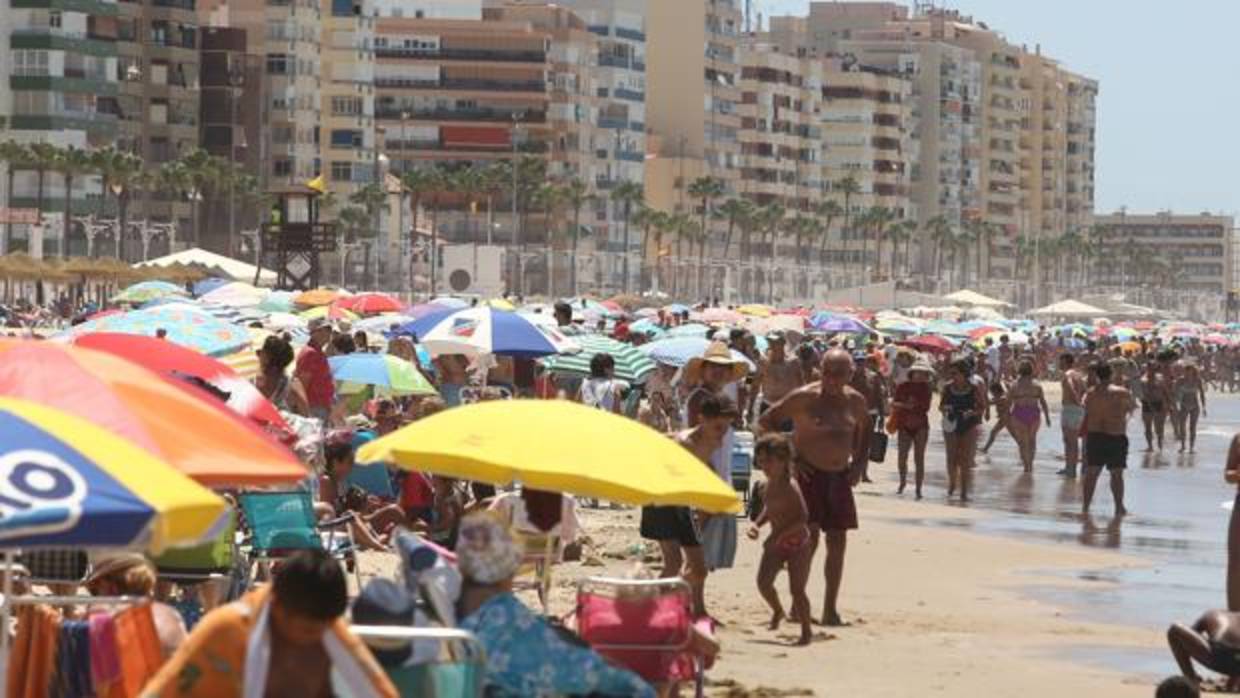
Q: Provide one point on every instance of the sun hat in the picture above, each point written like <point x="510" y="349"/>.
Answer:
<point x="318" y="323"/>
<point x="487" y="551"/>
<point x="719" y="354"/>
<point x="114" y="564"/>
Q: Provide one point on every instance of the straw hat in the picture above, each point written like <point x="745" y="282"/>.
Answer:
<point x="115" y="564"/>
<point x="719" y="354"/>
<point x="921" y="364"/>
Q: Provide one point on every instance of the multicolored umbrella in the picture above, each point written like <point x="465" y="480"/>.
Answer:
<point x="648" y="326"/>
<point x="692" y="329"/>
<point x="382" y="323"/>
<point x="317" y="297"/>
<point x="202" y="288"/>
<point x="391" y="374"/>
<point x="933" y="344"/>
<point x="838" y="324"/>
<point x="720" y="316"/>
<point x="631" y="364"/>
<point x="69" y="483"/>
<point x="490" y="331"/>
<point x="186" y="325"/>
<point x="178" y="362"/>
<point x="147" y="291"/>
<point x="236" y="294"/>
<point x="677" y="351"/>
<point x="277" y="302"/>
<point x="370" y="304"/>
<point x="540" y="443"/>
<point x="331" y="312"/>
<point x="209" y="443"/>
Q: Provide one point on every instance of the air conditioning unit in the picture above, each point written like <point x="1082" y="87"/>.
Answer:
<point x="474" y="270"/>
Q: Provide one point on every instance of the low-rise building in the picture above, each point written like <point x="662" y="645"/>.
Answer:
<point x="1164" y="250"/>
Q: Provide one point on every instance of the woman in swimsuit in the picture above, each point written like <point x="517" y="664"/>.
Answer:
<point x="962" y="405"/>
<point x="910" y="409"/>
<point x="1190" y="392"/>
<point x="1028" y="408"/>
<point x="1153" y="406"/>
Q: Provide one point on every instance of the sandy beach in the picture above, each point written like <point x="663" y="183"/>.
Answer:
<point x="932" y="607"/>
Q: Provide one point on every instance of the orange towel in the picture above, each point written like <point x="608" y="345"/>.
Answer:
<point x="33" y="657"/>
<point x="141" y="656"/>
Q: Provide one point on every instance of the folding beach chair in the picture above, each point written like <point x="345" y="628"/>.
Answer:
<point x="373" y="479"/>
<point x="460" y="671"/>
<point x="282" y="523"/>
<point x="541" y="553"/>
<point x="742" y="462"/>
<point x="643" y="625"/>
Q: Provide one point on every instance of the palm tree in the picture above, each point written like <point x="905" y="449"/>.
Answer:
<point x="684" y="228"/>
<point x="417" y="183"/>
<point x="965" y="240"/>
<point x="859" y="229"/>
<point x="198" y="172"/>
<point x="849" y="187"/>
<point x="43" y="158"/>
<point x="772" y="218"/>
<point x="939" y="230"/>
<point x="803" y="230"/>
<point x="658" y="224"/>
<point x="370" y="198"/>
<point x="880" y="220"/>
<point x="549" y="197"/>
<point x="576" y="194"/>
<point x="16" y="156"/>
<point x="493" y="180"/>
<point x="736" y="212"/>
<point x="901" y="232"/>
<point x="70" y="162"/>
<point x="829" y="210"/>
<point x="625" y="195"/>
<point x="467" y="182"/>
<point x="707" y="189"/>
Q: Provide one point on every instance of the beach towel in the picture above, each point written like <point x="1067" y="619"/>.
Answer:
<point x="228" y="654"/>
<point x="73" y="676"/>
<point x="141" y="657"/>
<point x="105" y="661"/>
<point x="719" y="541"/>
<point x="32" y="658"/>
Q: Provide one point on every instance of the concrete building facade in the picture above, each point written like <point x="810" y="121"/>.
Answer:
<point x="1172" y="251"/>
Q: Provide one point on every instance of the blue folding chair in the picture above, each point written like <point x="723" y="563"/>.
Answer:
<point x="372" y="478"/>
<point x="281" y="523"/>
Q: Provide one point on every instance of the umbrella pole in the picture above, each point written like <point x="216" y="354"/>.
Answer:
<point x="5" y="613"/>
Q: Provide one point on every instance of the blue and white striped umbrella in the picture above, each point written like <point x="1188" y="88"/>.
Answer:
<point x="485" y="330"/>
<point x="677" y="351"/>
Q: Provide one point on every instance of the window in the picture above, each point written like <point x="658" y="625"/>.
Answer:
<point x="281" y="135"/>
<point x="29" y="62"/>
<point x="278" y="64"/>
<point x="282" y="167"/>
<point x="346" y="106"/>
<point x="342" y="171"/>
<point x="345" y="138"/>
<point x="53" y="19"/>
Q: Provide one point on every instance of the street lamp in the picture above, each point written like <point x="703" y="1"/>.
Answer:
<point x="516" y="218"/>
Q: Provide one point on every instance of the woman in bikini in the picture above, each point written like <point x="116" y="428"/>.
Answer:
<point x="789" y="543"/>
<point x="1190" y="392"/>
<point x="962" y="405"/>
<point x="1028" y="408"/>
<point x="910" y="410"/>
<point x="1154" y="401"/>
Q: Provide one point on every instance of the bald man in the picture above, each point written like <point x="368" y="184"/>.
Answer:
<point x="829" y="432"/>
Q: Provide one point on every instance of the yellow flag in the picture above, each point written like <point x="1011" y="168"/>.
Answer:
<point x="318" y="184"/>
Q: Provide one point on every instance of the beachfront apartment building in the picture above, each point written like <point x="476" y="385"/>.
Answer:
<point x="157" y="108"/>
<point x="60" y="66"/>
<point x="1168" y="251"/>
<point x="350" y="155"/>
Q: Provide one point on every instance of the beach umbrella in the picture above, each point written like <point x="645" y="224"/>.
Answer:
<point x="105" y="313"/>
<point x="933" y="344"/>
<point x="631" y="364"/>
<point x="677" y="308"/>
<point x="692" y="329"/>
<point x="202" y="288"/>
<point x="897" y="326"/>
<point x="277" y="302"/>
<point x="490" y="331"/>
<point x="391" y="374"/>
<point x="285" y="321"/>
<point x="450" y="302"/>
<point x="717" y="316"/>
<point x="646" y="313"/>
<point x="331" y="312"/>
<point x="589" y="308"/>
<point x="1129" y="347"/>
<point x="236" y="294"/>
<point x="1124" y="334"/>
<point x="317" y="297"/>
<point x="169" y="418"/>
<point x="183" y="324"/>
<point x="677" y="351"/>
<point x="381" y="324"/>
<point x="756" y="310"/>
<point x="1215" y="339"/>
<point x="370" y="304"/>
<point x="540" y="444"/>
<point x="945" y="328"/>
<point x="648" y="326"/>
<point x="147" y="291"/>
<point x="70" y="484"/>
<point x="176" y="361"/>
<point x="838" y="324"/>
<point x="500" y="304"/>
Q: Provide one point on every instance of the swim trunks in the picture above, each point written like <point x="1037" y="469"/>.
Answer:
<point x="670" y="523"/>
<point x="829" y="498"/>
<point x="1072" y="417"/>
<point x="1106" y="451"/>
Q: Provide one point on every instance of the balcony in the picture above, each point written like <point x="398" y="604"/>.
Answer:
<point x="90" y="7"/>
<point x="462" y="54"/>
<point x="64" y="41"/>
<point x="630" y="95"/>
<point x="472" y="84"/>
<point x="631" y="156"/>
<point x="611" y="123"/>
<point x="630" y="34"/>
<point x="524" y="116"/>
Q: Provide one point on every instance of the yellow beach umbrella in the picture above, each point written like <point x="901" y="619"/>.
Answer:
<point x="756" y="310"/>
<point x="318" y="296"/>
<point x="556" y="446"/>
<point x="501" y="304"/>
<point x="331" y="313"/>
<point x="70" y="483"/>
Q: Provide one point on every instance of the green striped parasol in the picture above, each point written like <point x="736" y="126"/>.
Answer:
<point x="631" y="365"/>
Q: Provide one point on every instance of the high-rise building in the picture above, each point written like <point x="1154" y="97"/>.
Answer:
<point x="1172" y="252"/>
<point x="158" y="105"/>
<point x="350" y="156"/>
<point x="60" y="88"/>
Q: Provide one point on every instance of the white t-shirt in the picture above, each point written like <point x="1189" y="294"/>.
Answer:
<point x="603" y="393"/>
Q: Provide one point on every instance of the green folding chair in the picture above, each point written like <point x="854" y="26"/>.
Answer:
<point x="281" y="523"/>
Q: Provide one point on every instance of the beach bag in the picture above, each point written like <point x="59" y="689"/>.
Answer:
<point x="878" y="446"/>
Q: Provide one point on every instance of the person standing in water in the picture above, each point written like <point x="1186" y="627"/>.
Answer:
<point x="910" y="407"/>
<point x="1154" y="399"/>
<point x="1107" y="407"/>
<point x="963" y="403"/>
<point x="1190" y="392"/>
<point x="1072" y="412"/>
<point x="1027" y="409"/>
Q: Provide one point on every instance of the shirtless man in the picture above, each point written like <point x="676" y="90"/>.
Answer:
<point x="1213" y="641"/>
<point x="1072" y="412"/>
<point x="869" y="382"/>
<point x="778" y="375"/>
<point x="453" y="372"/>
<point x="676" y="528"/>
<point x="1155" y="396"/>
<point x="1106" y="436"/>
<point x="828" y="434"/>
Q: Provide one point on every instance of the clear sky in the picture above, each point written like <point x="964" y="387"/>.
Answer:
<point x="1169" y="101"/>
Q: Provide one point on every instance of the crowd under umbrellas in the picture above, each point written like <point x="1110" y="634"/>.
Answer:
<point x="159" y="357"/>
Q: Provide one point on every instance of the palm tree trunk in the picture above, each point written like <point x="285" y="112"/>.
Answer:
<point x="122" y="214"/>
<point x="38" y="202"/>
<point x="576" y="233"/>
<point x="8" y="226"/>
<point x="64" y="233"/>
